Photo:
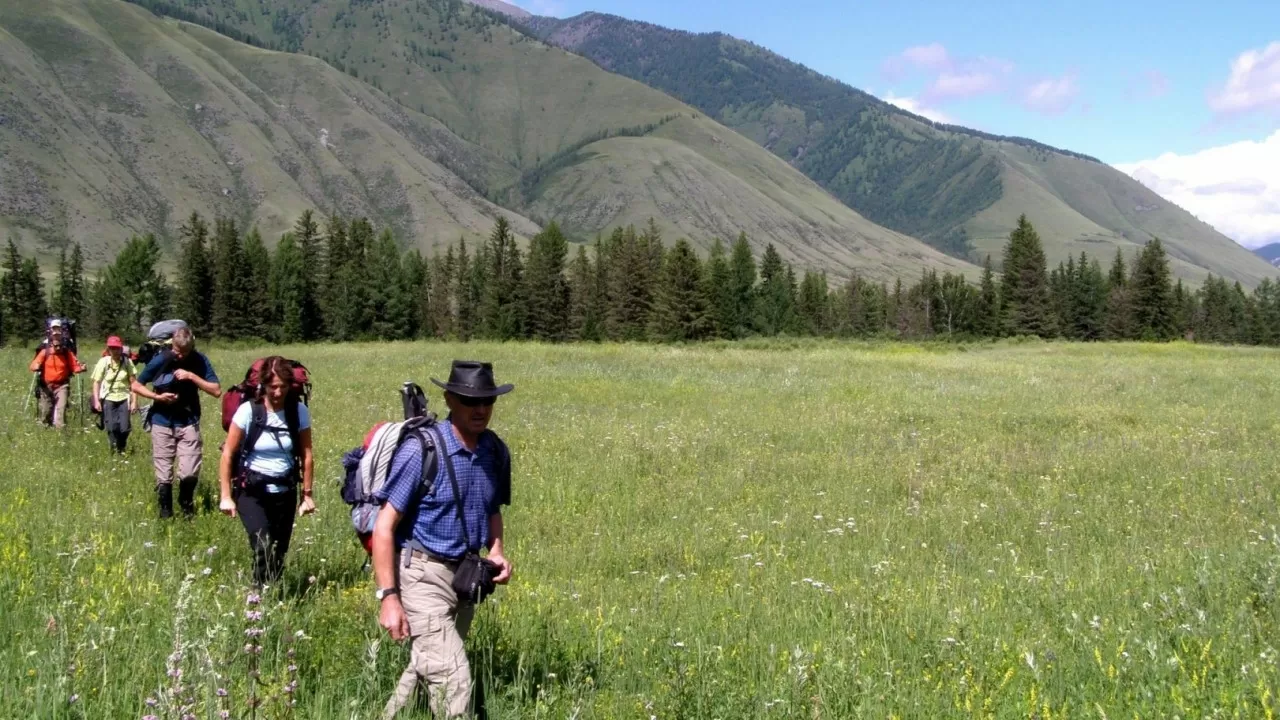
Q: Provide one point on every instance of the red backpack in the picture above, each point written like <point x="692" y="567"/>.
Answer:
<point x="251" y="389"/>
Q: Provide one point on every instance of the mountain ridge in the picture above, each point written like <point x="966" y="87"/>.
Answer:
<point x="413" y="100"/>
<point x="957" y="188"/>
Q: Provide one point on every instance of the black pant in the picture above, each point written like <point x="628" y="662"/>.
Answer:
<point x="268" y="519"/>
<point x="115" y="420"/>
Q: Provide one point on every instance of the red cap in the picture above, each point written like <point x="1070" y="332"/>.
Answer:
<point x="115" y="342"/>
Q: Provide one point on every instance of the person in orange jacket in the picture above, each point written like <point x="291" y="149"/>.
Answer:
<point x="56" y="364"/>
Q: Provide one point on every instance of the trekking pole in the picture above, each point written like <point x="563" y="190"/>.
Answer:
<point x="35" y="382"/>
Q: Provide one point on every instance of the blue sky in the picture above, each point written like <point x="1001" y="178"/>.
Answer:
<point x="1170" y="91"/>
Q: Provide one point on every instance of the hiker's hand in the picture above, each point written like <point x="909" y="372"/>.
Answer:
<point x="97" y="405"/>
<point x="183" y="374"/>
<point x="308" y="505"/>
<point x="133" y="407"/>
<point x="392" y="618"/>
<point x="504" y="568"/>
<point x="167" y="398"/>
<point x="228" y="507"/>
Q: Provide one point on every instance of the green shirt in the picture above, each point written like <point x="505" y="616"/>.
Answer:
<point x="115" y="379"/>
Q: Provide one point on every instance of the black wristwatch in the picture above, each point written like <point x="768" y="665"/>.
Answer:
<point x="384" y="592"/>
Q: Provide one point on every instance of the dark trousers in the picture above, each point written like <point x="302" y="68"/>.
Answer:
<point x="268" y="519"/>
<point x="115" y="420"/>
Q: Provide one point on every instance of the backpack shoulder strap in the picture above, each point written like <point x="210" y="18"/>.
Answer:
<point x="293" y="422"/>
<point x="257" y="424"/>
<point x="430" y="466"/>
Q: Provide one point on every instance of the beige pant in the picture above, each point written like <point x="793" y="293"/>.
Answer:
<point x="438" y="627"/>
<point x="183" y="443"/>
<point x="53" y="404"/>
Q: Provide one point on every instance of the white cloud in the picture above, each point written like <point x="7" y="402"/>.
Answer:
<point x="1235" y="188"/>
<point x="1254" y="83"/>
<point x="913" y="105"/>
<point x="931" y="56"/>
<point x="1051" y="95"/>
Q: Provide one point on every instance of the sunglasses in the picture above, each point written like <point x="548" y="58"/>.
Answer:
<point x="476" y="401"/>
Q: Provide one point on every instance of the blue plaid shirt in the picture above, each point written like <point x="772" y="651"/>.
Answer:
<point x="432" y="519"/>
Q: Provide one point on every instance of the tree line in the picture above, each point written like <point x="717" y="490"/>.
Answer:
<point x="341" y="279"/>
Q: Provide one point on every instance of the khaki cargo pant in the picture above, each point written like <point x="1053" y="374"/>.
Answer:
<point x="438" y="627"/>
<point x="53" y="404"/>
<point x="182" y="443"/>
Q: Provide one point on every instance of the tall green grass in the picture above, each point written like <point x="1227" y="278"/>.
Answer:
<point x="830" y="530"/>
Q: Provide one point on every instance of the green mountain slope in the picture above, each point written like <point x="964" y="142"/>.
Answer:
<point x="960" y="190"/>
<point x="117" y="122"/>
<point x="438" y="87"/>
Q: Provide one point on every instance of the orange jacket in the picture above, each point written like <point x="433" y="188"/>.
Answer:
<point x="56" y="368"/>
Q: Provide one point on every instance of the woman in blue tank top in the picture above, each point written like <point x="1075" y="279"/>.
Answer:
<point x="266" y="456"/>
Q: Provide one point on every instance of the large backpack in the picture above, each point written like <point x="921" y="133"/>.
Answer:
<point x="250" y="390"/>
<point x="68" y="334"/>
<point x="367" y="467"/>
<point x="159" y="339"/>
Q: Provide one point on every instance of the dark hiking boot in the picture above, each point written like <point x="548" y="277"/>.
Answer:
<point x="187" y="497"/>
<point x="164" y="495"/>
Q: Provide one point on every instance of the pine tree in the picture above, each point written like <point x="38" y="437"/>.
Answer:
<point x="776" y="303"/>
<point x="195" y="275"/>
<point x="742" y="288"/>
<point x="546" y="292"/>
<point x="502" y="311"/>
<point x="956" y="305"/>
<point x="108" y="309"/>
<point x="463" y="302"/>
<point x="1091" y="299"/>
<point x="1185" y="310"/>
<point x="719" y="292"/>
<point x="35" y="309"/>
<point x="630" y="285"/>
<point x="306" y="234"/>
<point x="1027" y="306"/>
<point x="415" y="290"/>
<point x="288" y="282"/>
<point x="812" y="311"/>
<point x="1152" y="294"/>
<point x="388" y="309"/>
<point x="583" y="321"/>
<point x="230" y="287"/>
<point x="353" y="315"/>
<point x="987" y="313"/>
<point x="680" y="304"/>
<point x="336" y="295"/>
<point x="136" y="279"/>
<point x="73" y="292"/>
<point x="442" y="284"/>
<point x="259" y="313"/>
<point x="1118" y="276"/>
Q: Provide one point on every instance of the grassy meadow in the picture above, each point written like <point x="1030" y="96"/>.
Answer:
<point x="809" y="531"/>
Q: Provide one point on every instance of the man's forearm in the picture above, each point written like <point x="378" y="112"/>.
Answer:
<point x="495" y="533"/>
<point x="143" y="390"/>
<point x="210" y="388"/>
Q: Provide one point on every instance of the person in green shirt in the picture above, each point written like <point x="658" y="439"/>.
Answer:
<point x="113" y="394"/>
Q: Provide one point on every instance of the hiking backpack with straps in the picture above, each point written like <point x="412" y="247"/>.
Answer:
<point x="251" y="389"/>
<point x="367" y="467"/>
<point x="257" y="426"/>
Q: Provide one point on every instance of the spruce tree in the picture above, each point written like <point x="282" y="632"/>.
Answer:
<point x="73" y="292"/>
<point x="463" y="302"/>
<point x="195" y="275"/>
<point x="583" y="321"/>
<point x="10" y="298"/>
<point x="230" y="289"/>
<point x="680" y="304"/>
<point x="442" y="285"/>
<point x="812" y="312"/>
<point x="1027" y="306"/>
<point x="1151" y="290"/>
<point x="502" y="312"/>
<point x="719" y="292"/>
<point x="776" y="303"/>
<point x="413" y="287"/>
<point x="336" y="295"/>
<point x="288" y="282"/>
<point x="392" y="304"/>
<point x="630" y="285"/>
<point x="35" y="309"/>
<point x="987" y="312"/>
<point x="742" y="286"/>
<point x="135" y="277"/>
<point x="108" y="307"/>
<point x="306" y="232"/>
<point x="546" y="292"/>
<point x="1091" y="299"/>
<point x="259" y="312"/>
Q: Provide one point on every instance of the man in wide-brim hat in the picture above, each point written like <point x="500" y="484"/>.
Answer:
<point x="429" y="535"/>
